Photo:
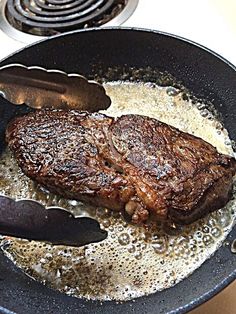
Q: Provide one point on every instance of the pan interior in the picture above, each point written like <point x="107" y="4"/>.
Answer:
<point x="133" y="261"/>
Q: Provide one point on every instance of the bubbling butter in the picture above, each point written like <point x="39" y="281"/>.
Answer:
<point x="133" y="261"/>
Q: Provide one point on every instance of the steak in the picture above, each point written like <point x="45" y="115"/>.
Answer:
<point x="133" y="164"/>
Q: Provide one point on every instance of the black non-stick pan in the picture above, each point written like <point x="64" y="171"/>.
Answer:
<point x="208" y="77"/>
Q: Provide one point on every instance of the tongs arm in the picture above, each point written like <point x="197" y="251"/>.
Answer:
<point x="30" y="220"/>
<point x="40" y="88"/>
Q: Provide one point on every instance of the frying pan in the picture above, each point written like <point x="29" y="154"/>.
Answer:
<point x="209" y="77"/>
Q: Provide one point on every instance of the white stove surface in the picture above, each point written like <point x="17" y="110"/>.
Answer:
<point x="211" y="23"/>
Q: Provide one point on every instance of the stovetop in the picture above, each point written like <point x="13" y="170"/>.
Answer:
<point x="211" y="23"/>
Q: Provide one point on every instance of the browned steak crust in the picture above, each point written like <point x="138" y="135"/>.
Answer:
<point x="131" y="163"/>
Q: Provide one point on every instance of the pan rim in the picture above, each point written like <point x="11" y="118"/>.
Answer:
<point x="126" y="28"/>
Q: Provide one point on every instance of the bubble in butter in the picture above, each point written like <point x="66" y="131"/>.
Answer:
<point x="133" y="261"/>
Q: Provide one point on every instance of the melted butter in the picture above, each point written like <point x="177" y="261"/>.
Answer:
<point x="133" y="261"/>
<point x="158" y="103"/>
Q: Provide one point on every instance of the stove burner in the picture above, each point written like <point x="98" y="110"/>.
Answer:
<point x="50" y="17"/>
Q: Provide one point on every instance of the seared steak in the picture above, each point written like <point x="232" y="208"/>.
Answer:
<point x="132" y="163"/>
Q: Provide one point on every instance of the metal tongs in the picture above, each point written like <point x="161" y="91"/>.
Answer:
<point x="29" y="219"/>
<point x="39" y="88"/>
